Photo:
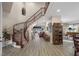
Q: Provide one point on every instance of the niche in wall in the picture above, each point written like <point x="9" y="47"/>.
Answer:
<point x="23" y="11"/>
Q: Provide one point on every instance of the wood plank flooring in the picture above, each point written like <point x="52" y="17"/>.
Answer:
<point x="39" y="47"/>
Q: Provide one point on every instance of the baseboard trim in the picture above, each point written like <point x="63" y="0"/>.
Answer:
<point x="16" y="46"/>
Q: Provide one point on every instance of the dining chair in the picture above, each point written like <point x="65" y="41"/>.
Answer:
<point x="76" y="45"/>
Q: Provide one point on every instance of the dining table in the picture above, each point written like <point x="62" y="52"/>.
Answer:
<point x="72" y="34"/>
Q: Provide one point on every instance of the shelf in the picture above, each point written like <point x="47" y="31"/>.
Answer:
<point x="57" y="33"/>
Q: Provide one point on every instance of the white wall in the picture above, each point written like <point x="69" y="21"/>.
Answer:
<point x="0" y="20"/>
<point x="32" y="8"/>
<point x="56" y="19"/>
<point x="16" y="15"/>
<point x="0" y="32"/>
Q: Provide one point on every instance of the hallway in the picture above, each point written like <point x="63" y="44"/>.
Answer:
<point x="39" y="47"/>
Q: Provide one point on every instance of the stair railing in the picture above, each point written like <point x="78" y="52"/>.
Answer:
<point x="20" y="33"/>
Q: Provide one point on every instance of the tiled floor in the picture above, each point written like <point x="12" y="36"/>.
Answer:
<point x="39" y="47"/>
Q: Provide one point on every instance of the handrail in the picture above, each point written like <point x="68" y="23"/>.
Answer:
<point x="34" y="14"/>
<point x="18" y="24"/>
<point x="28" y="18"/>
<point x="28" y="22"/>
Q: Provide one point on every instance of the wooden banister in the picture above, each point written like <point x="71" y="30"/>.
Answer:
<point x="41" y="12"/>
<point x="35" y="13"/>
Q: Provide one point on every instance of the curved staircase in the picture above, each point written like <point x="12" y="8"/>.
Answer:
<point x="20" y="32"/>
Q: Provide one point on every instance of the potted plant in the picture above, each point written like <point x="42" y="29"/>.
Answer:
<point x="6" y="36"/>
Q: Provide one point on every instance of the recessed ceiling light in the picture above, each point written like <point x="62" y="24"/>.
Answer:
<point x="58" y="10"/>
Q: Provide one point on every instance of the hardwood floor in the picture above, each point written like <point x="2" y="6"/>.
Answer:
<point x="39" y="47"/>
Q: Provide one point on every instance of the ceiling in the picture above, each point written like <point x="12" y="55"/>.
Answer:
<point x="69" y="11"/>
